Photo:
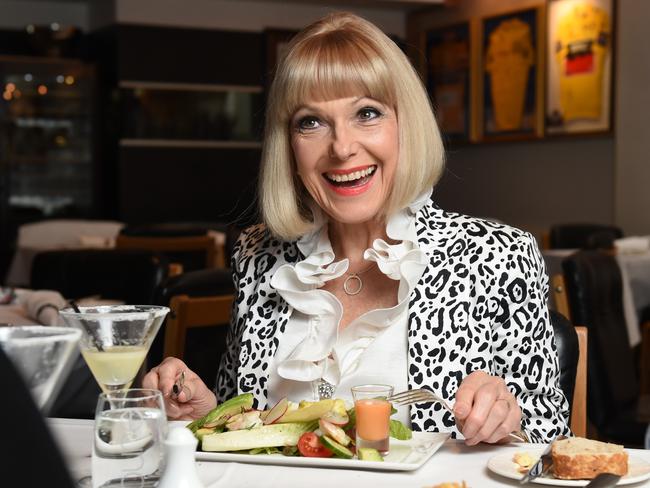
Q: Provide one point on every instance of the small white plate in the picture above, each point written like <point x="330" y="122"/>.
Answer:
<point x="502" y="464"/>
<point x="403" y="456"/>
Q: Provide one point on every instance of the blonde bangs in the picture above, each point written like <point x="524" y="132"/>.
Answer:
<point x="334" y="65"/>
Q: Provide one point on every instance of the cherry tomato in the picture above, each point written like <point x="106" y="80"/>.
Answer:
<point x="310" y="446"/>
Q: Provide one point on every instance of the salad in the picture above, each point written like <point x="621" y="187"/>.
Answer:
<point x="313" y="429"/>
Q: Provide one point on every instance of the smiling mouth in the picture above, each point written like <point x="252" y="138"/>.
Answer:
<point x="354" y="178"/>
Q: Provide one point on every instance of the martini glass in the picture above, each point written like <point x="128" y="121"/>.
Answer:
<point x="115" y="339"/>
<point x="43" y="355"/>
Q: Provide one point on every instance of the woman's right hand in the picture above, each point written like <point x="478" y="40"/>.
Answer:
<point x="193" y="401"/>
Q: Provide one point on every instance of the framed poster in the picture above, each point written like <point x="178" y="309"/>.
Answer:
<point x="512" y="70"/>
<point x="579" y="78"/>
<point x="448" y="79"/>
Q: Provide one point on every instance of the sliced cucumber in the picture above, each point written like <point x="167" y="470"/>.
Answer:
<point x="336" y="448"/>
<point x="369" y="454"/>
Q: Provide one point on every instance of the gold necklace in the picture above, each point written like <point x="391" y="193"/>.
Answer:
<point x="355" y="277"/>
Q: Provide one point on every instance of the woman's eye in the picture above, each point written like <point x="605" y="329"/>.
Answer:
<point x="308" y="123"/>
<point x="368" y="113"/>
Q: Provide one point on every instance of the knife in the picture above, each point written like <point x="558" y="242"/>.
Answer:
<point x="604" y="480"/>
<point x="542" y="465"/>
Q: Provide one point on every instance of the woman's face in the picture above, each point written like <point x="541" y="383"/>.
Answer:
<point x="346" y="153"/>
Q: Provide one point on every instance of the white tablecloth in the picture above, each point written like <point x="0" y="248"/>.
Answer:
<point x="453" y="462"/>
<point x="635" y="276"/>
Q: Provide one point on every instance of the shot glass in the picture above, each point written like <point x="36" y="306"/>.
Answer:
<point x="372" y="411"/>
<point x="130" y="427"/>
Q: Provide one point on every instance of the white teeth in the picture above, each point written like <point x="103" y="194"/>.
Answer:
<point x="351" y="176"/>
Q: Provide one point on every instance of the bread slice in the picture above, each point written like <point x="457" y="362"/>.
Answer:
<point x="578" y="458"/>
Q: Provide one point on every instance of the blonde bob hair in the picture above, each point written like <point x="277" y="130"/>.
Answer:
<point x="339" y="56"/>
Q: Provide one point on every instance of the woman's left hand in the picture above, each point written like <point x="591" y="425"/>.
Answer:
<point x="485" y="410"/>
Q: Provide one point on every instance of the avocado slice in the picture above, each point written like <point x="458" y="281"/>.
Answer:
<point x="311" y="412"/>
<point x="368" y="454"/>
<point x="218" y="416"/>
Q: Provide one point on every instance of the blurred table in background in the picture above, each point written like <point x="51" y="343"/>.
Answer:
<point x="49" y="235"/>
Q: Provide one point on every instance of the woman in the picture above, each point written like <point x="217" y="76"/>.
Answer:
<point x="356" y="276"/>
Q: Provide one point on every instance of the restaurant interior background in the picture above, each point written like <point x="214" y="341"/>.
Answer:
<point x="123" y="146"/>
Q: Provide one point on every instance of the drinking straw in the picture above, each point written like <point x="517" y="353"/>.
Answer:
<point x="89" y="329"/>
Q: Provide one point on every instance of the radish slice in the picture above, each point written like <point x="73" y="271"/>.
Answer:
<point x="336" y="418"/>
<point x="276" y="412"/>
<point x="334" y="431"/>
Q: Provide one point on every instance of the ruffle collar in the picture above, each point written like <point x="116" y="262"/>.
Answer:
<point x="323" y="352"/>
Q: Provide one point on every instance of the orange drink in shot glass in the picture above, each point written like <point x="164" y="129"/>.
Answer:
<point x="372" y="410"/>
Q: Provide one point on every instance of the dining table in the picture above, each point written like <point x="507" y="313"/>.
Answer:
<point x="452" y="462"/>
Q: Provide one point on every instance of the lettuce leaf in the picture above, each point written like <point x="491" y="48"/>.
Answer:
<point x="400" y="431"/>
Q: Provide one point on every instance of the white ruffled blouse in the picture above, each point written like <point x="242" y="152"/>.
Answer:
<point x="373" y="347"/>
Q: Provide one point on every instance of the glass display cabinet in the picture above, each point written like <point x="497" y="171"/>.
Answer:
<point x="46" y="135"/>
<point x="46" y="160"/>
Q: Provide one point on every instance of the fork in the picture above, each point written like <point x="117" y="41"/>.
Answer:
<point x="422" y="395"/>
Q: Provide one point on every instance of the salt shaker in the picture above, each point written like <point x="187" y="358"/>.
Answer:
<point x="180" y="471"/>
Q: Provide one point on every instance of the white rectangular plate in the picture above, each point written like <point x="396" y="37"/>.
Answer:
<point x="403" y="456"/>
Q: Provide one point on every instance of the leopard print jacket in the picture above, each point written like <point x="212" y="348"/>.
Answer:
<point x="480" y="305"/>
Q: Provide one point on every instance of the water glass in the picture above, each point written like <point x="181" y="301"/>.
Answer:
<point x="130" y="427"/>
<point x="372" y="410"/>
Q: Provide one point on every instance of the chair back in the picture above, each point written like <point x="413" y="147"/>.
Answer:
<point x="209" y="317"/>
<point x="583" y="236"/>
<point x="188" y="313"/>
<point x="197" y="299"/>
<point x="595" y="293"/>
<point x="129" y="276"/>
<point x="201" y="283"/>
<point x="579" y="403"/>
<point x="566" y="342"/>
<point x="558" y="290"/>
<point x="193" y="252"/>
<point x="572" y="359"/>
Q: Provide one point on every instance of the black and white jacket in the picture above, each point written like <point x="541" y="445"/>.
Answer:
<point x="480" y="305"/>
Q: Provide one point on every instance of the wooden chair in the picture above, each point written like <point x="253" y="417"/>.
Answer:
<point x="214" y="257"/>
<point x="189" y="312"/>
<point x="558" y="288"/>
<point x="579" y="401"/>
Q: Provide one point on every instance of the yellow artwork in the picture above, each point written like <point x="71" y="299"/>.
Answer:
<point x="582" y="44"/>
<point x="509" y="58"/>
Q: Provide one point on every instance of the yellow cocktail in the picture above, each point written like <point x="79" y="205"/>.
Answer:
<point x="115" y="339"/>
